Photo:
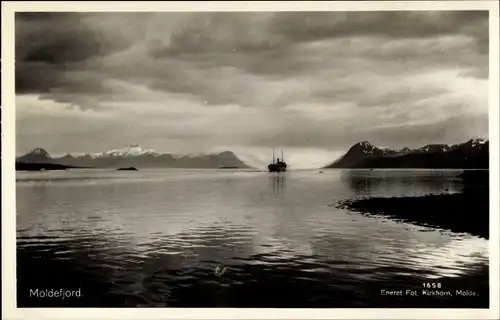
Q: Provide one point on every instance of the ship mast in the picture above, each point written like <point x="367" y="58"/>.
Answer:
<point x="273" y="156"/>
<point x="282" y="158"/>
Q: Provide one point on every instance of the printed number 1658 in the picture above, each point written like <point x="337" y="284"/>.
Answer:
<point x="429" y="285"/>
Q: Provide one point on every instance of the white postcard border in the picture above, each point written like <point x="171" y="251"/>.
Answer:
<point x="9" y="309"/>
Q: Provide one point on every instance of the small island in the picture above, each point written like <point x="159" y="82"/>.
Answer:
<point x="127" y="169"/>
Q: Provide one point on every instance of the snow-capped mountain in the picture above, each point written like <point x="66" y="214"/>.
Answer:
<point x="196" y="154"/>
<point x="433" y="148"/>
<point x="136" y="156"/>
<point x="37" y="155"/>
<point x="367" y="148"/>
<point x="362" y="150"/>
<point x="129" y="151"/>
<point x="471" y="154"/>
<point x="476" y="142"/>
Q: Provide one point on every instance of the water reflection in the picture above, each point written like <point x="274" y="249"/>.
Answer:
<point x="130" y="243"/>
<point x="388" y="182"/>
<point x="181" y="273"/>
<point x="452" y="202"/>
<point x="277" y="181"/>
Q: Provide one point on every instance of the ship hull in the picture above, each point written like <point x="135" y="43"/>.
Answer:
<point x="276" y="168"/>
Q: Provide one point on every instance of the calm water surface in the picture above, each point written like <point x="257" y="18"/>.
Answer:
<point x="156" y="237"/>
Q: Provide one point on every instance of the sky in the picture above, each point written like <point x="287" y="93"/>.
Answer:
<point x="312" y="83"/>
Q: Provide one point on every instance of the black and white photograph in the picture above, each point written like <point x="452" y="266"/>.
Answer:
<point x="253" y="159"/>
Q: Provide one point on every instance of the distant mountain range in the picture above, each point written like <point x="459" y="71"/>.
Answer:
<point x="473" y="154"/>
<point x="131" y="156"/>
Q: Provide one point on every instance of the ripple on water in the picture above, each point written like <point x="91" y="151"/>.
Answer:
<point x="158" y="239"/>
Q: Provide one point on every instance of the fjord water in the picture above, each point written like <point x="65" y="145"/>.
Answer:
<point x="156" y="237"/>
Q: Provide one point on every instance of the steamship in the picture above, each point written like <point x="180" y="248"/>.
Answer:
<point x="278" y="165"/>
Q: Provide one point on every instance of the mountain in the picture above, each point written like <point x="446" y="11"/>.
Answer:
<point x="135" y="156"/>
<point x="360" y="151"/>
<point x="130" y="151"/>
<point x="212" y="160"/>
<point x="473" y="154"/>
<point x="37" y="155"/>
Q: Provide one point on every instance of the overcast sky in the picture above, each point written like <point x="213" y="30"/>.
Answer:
<point x="312" y="82"/>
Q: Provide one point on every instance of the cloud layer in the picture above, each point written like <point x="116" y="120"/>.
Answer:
<point x="184" y="82"/>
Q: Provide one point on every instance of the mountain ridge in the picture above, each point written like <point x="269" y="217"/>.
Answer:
<point x="472" y="154"/>
<point x="134" y="156"/>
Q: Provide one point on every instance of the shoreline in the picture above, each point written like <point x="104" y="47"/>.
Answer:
<point x="467" y="211"/>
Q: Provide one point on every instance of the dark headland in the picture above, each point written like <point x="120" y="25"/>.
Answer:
<point x="472" y="154"/>
<point x="22" y="166"/>
<point x="467" y="211"/>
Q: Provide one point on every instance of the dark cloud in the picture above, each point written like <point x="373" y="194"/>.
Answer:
<point x="400" y="96"/>
<point x="44" y="78"/>
<point x="75" y="47"/>
<point x="288" y="44"/>
<point x="220" y="33"/>
<point x="59" y="38"/>
<point x="265" y="44"/>
<point x="302" y="79"/>
<point x="337" y="135"/>
<point x="51" y="46"/>
<point x="396" y="24"/>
